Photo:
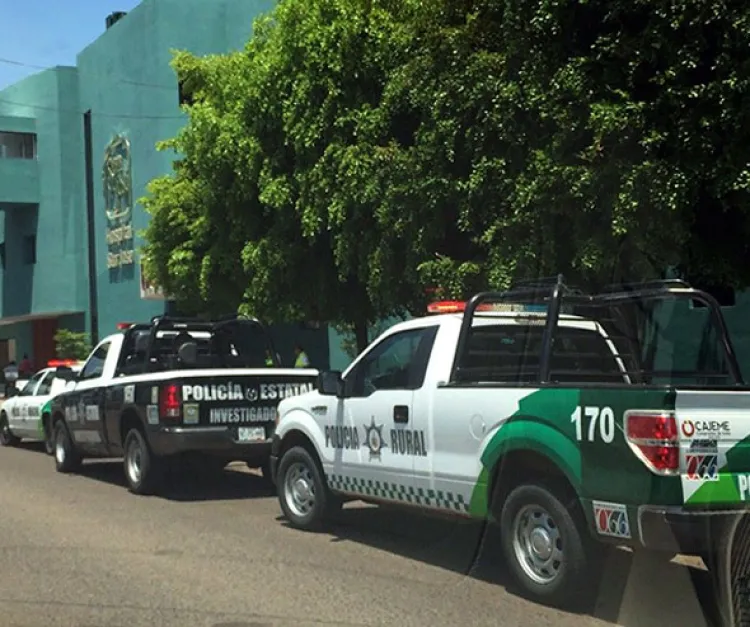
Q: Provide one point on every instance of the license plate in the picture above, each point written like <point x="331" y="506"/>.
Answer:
<point x="251" y="434"/>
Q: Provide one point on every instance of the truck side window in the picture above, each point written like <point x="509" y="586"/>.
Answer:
<point x="94" y="367"/>
<point x="398" y="363"/>
<point x="510" y="354"/>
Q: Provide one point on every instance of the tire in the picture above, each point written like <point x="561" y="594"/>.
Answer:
<point x="143" y="470"/>
<point x="6" y="435"/>
<point x="305" y="499"/>
<point x="49" y="440"/>
<point x="555" y="572"/>
<point x="67" y="458"/>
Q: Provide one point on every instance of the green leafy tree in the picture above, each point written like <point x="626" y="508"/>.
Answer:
<point x="606" y="140"/>
<point x="72" y="344"/>
<point x="273" y="204"/>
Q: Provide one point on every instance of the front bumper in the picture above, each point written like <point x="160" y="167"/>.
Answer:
<point x="219" y="441"/>
<point x="690" y="532"/>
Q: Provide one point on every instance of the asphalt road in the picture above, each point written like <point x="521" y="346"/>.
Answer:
<point x="79" y="551"/>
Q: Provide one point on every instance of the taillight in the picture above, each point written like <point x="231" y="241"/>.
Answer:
<point x="653" y="437"/>
<point x="170" y="402"/>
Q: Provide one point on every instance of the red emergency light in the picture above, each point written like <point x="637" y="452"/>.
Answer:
<point x="57" y="363"/>
<point x="122" y="326"/>
<point x="446" y="306"/>
<point x="455" y="306"/>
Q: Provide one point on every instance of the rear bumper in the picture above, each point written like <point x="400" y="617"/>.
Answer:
<point x="218" y="441"/>
<point x="689" y="532"/>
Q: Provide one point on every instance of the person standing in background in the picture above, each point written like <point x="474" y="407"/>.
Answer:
<point x="302" y="360"/>
<point x="25" y="368"/>
<point x="10" y="373"/>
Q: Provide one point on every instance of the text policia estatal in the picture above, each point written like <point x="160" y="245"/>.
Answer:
<point x="237" y="392"/>
<point x="400" y="442"/>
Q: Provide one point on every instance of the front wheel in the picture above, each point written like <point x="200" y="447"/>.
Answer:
<point x="304" y="497"/>
<point x="143" y="470"/>
<point x="67" y="459"/>
<point x="545" y="546"/>
<point x="6" y="435"/>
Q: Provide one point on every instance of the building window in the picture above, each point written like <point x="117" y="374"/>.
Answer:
<point x="2" y="255"/>
<point x="29" y="249"/>
<point x="185" y="97"/>
<point x="17" y="145"/>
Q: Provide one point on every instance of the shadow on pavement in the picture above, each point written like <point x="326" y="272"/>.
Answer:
<point x="631" y="590"/>
<point x="188" y="485"/>
<point x="37" y="447"/>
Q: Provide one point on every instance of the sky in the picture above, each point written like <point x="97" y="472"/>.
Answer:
<point x="37" y="34"/>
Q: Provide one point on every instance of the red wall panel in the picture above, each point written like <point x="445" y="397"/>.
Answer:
<point x="44" y="342"/>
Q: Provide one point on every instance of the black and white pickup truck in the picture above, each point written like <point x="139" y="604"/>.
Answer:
<point x="173" y="390"/>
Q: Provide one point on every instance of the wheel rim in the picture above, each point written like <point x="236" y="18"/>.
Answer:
<point x="537" y="544"/>
<point x="134" y="461"/>
<point x="299" y="489"/>
<point x="60" y="446"/>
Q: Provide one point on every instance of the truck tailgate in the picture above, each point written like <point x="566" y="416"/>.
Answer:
<point x="244" y="402"/>
<point x="714" y="428"/>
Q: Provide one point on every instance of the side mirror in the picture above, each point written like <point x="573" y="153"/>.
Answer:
<point x="65" y="373"/>
<point x="330" y="383"/>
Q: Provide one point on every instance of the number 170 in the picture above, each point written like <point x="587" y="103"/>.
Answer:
<point x="602" y="416"/>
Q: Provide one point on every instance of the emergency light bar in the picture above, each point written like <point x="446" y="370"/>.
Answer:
<point x="122" y="326"/>
<point x="457" y="306"/>
<point x="56" y="363"/>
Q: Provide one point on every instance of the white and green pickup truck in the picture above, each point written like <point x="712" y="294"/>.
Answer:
<point x="571" y="420"/>
<point x="26" y="414"/>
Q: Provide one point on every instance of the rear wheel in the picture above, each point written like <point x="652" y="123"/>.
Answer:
<point x="6" y="435"/>
<point x="545" y="545"/>
<point x="67" y="459"/>
<point x="304" y="496"/>
<point x="143" y="470"/>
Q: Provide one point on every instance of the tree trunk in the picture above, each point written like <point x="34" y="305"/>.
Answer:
<point x="361" y="335"/>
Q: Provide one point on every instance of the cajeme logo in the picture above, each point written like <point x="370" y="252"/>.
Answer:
<point x="705" y="427"/>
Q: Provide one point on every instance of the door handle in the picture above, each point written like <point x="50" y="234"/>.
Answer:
<point x="401" y="414"/>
